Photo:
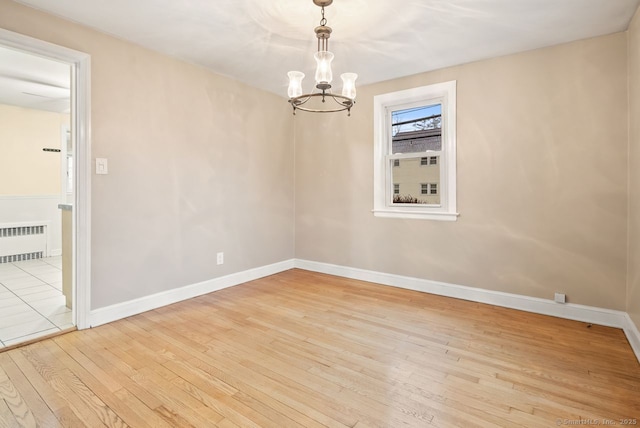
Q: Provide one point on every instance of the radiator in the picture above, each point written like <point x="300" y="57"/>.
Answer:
<point x="23" y="241"/>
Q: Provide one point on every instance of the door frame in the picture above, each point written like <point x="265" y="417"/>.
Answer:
<point x="80" y="63"/>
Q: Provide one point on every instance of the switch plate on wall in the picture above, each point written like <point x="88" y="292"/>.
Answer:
<point x="102" y="166"/>
<point x="220" y="258"/>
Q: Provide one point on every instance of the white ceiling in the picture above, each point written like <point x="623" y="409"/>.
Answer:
<point x="257" y="42"/>
<point x="33" y="82"/>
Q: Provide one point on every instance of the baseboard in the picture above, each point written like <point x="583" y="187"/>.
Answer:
<point x="133" y="307"/>
<point x="589" y="314"/>
<point x="633" y="335"/>
<point x="55" y="253"/>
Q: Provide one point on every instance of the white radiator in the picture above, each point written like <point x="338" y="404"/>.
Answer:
<point x="23" y="241"/>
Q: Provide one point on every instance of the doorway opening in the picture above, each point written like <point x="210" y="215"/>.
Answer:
<point x="44" y="189"/>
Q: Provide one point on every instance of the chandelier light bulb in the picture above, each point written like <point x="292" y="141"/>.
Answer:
<point x="323" y="68"/>
<point x="349" y="85"/>
<point x="295" y="83"/>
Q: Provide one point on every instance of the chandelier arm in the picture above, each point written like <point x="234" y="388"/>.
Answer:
<point x="302" y="99"/>
<point x="336" y="98"/>
<point x="344" y="103"/>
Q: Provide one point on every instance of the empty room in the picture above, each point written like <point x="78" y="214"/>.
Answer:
<point x="319" y="213"/>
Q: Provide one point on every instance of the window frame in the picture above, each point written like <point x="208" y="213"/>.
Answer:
<point x="383" y="105"/>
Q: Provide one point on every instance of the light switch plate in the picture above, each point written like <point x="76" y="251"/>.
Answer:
<point x="102" y="166"/>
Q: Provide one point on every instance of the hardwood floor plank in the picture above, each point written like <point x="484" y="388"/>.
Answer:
<point x="100" y="384"/>
<point x="54" y="375"/>
<point x="180" y="402"/>
<point x="87" y="406"/>
<point x="41" y="412"/>
<point x="15" y="402"/>
<point x="58" y="405"/>
<point x="7" y="419"/>
<point x="115" y="367"/>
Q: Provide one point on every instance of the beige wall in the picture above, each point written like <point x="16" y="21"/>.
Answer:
<point x="542" y="182"/>
<point x="633" y="279"/>
<point x="198" y="163"/>
<point x="25" y="169"/>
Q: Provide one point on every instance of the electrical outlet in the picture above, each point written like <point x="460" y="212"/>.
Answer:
<point x="560" y="298"/>
<point x="220" y="258"/>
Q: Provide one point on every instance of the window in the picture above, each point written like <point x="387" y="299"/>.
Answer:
<point x="414" y="129"/>
<point x="429" y="188"/>
<point x="431" y="160"/>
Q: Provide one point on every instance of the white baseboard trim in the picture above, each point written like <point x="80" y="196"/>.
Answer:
<point x="55" y="253"/>
<point x="633" y="335"/>
<point x="137" y="306"/>
<point x="588" y="314"/>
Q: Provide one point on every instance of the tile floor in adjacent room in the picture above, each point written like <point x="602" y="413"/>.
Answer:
<point x="31" y="300"/>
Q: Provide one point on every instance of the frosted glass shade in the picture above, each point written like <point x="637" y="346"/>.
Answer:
<point x="295" y="83"/>
<point x="349" y="85"/>
<point x="323" y="69"/>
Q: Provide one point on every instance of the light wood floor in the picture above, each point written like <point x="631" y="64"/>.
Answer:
<point x="301" y="349"/>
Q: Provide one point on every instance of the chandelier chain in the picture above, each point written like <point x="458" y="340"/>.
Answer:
<point x="323" y="21"/>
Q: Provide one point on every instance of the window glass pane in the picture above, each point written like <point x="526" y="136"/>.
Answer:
<point x="416" y="129"/>
<point x="416" y="184"/>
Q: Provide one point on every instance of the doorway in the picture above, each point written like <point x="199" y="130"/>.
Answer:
<point x="50" y="256"/>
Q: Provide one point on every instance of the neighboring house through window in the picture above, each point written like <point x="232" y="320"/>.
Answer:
<point x="415" y="130"/>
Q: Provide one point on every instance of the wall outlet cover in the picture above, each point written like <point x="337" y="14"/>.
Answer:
<point x="560" y="298"/>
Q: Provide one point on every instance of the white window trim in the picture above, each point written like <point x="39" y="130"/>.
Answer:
<point x="445" y="93"/>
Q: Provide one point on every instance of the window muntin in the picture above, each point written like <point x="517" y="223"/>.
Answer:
<point x="414" y="145"/>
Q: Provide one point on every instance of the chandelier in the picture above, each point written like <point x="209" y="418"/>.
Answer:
<point x="323" y="77"/>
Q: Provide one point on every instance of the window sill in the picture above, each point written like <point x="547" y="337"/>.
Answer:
<point x="441" y="216"/>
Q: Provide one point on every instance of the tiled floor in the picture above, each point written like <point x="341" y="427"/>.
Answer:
<point x="31" y="300"/>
